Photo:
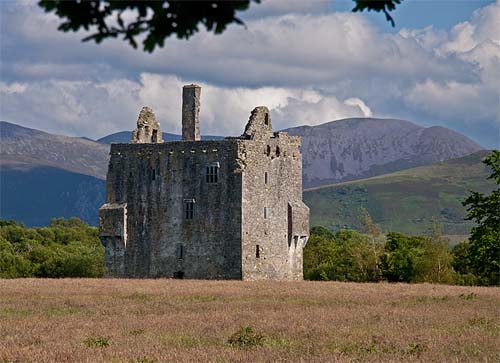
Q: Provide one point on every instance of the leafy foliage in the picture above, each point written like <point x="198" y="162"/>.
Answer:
<point x="416" y="259"/>
<point x="352" y="256"/>
<point x="156" y="20"/>
<point x="385" y="6"/>
<point x="246" y="337"/>
<point x="97" y="342"/>
<point x="483" y="250"/>
<point x="344" y="256"/>
<point x="65" y="248"/>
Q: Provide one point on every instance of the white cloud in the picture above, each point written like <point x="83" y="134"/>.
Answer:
<point x="96" y="109"/>
<point x="12" y="88"/>
<point x="309" y="65"/>
<point x="477" y="43"/>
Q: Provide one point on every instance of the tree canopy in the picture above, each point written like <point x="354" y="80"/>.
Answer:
<point x="484" y="242"/>
<point x="157" y="20"/>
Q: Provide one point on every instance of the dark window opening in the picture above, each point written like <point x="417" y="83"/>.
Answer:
<point x="265" y="177"/>
<point x="178" y="274"/>
<point x="268" y="150"/>
<point x="266" y="119"/>
<point x="179" y="251"/>
<point x="188" y="208"/>
<point x="257" y="251"/>
<point x="154" y="136"/>
<point x="153" y="174"/>
<point x="265" y="212"/>
<point x="278" y="151"/>
<point x="212" y="174"/>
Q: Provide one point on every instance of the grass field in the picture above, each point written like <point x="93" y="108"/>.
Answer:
<point x="91" y="320"/>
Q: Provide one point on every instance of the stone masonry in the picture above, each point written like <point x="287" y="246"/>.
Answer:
<point x="225" y="209"/>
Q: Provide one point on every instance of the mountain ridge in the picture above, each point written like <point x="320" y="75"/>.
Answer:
<point x="342" y="150"/>
<point x="358" y="148"/>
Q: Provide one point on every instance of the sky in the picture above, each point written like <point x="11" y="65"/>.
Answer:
<point x="310" y="62"/>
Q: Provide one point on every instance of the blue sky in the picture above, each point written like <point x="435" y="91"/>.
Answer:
<point x="310" y="62"/>
<point x="441" y="14"/>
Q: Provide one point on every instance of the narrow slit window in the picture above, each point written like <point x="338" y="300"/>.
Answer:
<point x="278" y="152"/>
<point x="265" y="177"/>
<point x="188" y="209"/>
<point x="257" y="251"/>
<point x="179" y="251"/>
<point x="212" y="174"/>
<point x="268" y="150"/>
<point x="266" y="119"/>
<point x="153" y="174"/>
<point x="265" y="212"/>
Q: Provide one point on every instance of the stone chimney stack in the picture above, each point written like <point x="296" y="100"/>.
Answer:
<point x="191" y="112"/>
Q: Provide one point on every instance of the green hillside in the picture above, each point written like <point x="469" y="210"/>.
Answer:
<point x="404" y="201"/>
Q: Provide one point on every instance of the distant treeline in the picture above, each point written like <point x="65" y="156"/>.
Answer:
<point x="65" y="248"/>
<point x="71" y="248"/>
<point x="361" y="257"/>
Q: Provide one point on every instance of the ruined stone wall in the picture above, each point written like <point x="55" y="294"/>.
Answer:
<point x="154" y="180"/>
<point x="272" y="179"/>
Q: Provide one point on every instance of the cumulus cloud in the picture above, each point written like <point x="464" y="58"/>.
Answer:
<point x="96" y="109"/>
<point x="477" y="43"/>
<point x="309" y="65"/>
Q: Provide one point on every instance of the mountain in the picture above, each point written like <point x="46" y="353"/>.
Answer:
<point x="358" y="148"/>
<point x="34" y="196"/>
<point x="44" y="175"/>
<point x="23" y="148"/>
<point x="125" y="136"/>
<point x="405" y="201"/>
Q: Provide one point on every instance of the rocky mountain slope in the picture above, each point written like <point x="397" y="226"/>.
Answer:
<point x="357" y="148"/>
<point x="23" y="149"/>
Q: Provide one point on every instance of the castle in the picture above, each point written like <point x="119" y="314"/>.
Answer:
<point x="217" y="209"/>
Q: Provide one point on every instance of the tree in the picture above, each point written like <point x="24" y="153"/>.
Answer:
<point x="344" y="256"/>
<point x="416" y="259"/>
<point x="484" y="241"/>
<point x="373" y="231"/>
<point x="160" y="19"/>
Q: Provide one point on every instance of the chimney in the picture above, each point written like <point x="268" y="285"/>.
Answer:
<point x="191" y="112"/>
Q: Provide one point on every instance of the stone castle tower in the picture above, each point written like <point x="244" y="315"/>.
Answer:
<point x="218" y="209"/>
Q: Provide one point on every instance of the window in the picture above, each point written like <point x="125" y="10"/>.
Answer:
<point x="278" y="151"/>
<point x="212" y="174"/>
<point x="266" y="119"/>
<point x="188" y="208"/>
<point x="257" y="251"/>
<point x="265" y="177"/>
<point x="268" y="150"/>
<point x="179" y="251"/>
<point x="265" y="212"/>
<point x="153" y="174"/>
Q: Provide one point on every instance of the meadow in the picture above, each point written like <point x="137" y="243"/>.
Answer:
<point x="111" y="320"/>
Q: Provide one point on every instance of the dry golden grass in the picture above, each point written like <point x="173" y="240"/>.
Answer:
<point x="86" y="320"/>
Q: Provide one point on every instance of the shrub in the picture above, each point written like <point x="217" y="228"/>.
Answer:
<point x="246" y="337"/>
<point x="344" y="256"/>
<point x="66" y="248"/>
<point x="97" y="342"/>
